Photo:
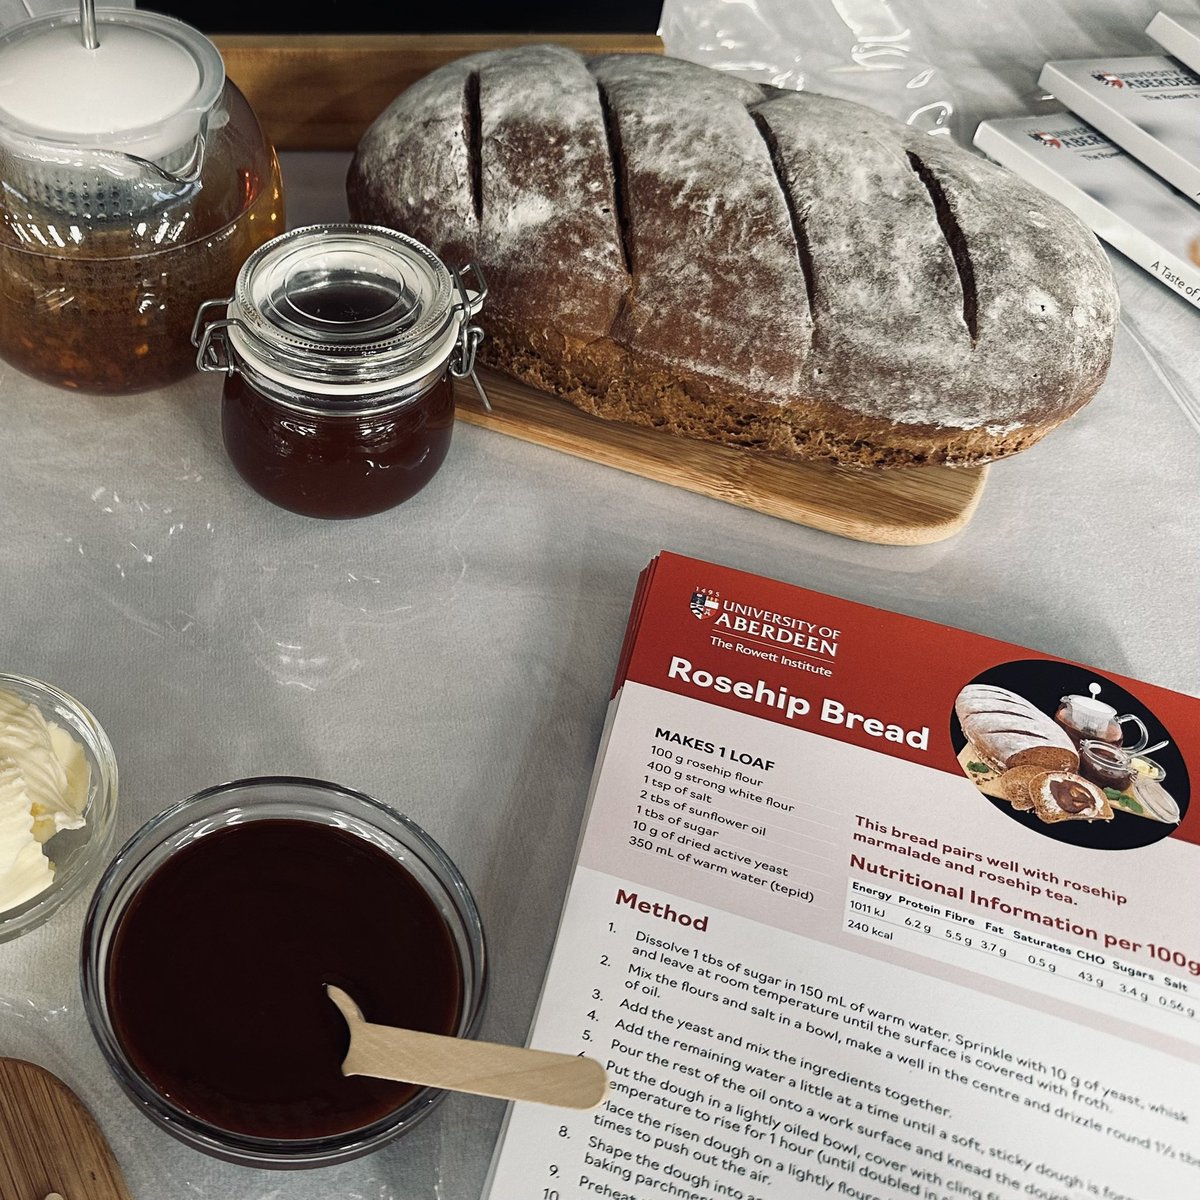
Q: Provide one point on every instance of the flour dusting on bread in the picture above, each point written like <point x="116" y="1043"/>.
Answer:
<point x="674" y="246"/>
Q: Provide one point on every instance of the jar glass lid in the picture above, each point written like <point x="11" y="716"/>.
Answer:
<point x="349" y="301"/>
<point x="146" y="89"/>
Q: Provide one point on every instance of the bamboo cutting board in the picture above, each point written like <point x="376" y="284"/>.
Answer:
<point x="909" y="507"/>
<point x="49" y="1142"/>
<point x="315" y="91"/>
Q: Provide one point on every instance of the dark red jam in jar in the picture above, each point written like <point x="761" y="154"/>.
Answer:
<point x="339" y="347"/>
<point x="325" y="463"/>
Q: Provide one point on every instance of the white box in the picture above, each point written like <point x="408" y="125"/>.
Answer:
<point x="1178" y="35"/>
<point x="1148" y="106"/>
<point x="1131" y="208"/>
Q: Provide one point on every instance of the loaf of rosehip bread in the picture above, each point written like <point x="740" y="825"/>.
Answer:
<point x="1010" y="732"/>
<point x="676" y="247"/>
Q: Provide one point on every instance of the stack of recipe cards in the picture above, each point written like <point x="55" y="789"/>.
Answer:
<point x="1126" y="158"/>
<point x="866" y="907"/>
<point x="1178" y="35"/>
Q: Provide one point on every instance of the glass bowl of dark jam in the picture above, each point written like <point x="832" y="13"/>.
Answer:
<point x="208" y="945"/>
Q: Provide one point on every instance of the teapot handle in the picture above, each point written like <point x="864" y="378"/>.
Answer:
<point x="1143" y="733"/>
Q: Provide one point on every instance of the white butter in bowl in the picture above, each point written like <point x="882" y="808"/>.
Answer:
<point x="44" y="782"/>
<point x="57" y="776"/>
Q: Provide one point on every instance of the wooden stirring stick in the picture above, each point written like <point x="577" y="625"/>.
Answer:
<point x="463" y="1065"/>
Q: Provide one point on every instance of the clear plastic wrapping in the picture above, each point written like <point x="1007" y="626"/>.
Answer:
<point x="870" y="51"/>
<point x="938" y="66"/>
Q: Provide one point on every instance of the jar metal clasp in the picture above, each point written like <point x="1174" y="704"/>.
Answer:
<point x="212" y="351"/>
<point x="462" y="359"/>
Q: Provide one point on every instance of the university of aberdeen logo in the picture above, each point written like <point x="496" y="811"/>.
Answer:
<point x="704" y="603"/>
<point x="1108" y="79"/>
<point x="1047" y="139"/>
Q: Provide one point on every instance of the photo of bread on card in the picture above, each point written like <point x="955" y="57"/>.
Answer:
<point x="1009" y="731"/>
<point x="1067" y="753"/>
<point x="1013" y="785"/>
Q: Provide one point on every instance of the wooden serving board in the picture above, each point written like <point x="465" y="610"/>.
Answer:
<point x="315" y="91"/>
<point x="910" y="507"/>
<point x="49" y="1142"/>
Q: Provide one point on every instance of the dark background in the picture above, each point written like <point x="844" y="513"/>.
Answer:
<point x="1043" y="683"/>
<point x="460" y="16"/>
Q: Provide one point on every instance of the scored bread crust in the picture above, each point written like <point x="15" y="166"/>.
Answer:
<point x="1009" y="731"/>
<point x="675" y="247"/>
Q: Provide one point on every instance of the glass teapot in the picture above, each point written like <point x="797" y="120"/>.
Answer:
<point x="1089" y="718"/>
<point x="134" y="182"/>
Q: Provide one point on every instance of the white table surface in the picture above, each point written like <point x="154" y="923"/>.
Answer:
<point x="454" y="656"/>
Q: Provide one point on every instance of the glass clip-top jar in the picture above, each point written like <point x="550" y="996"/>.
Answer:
<point x="339" y="348"/>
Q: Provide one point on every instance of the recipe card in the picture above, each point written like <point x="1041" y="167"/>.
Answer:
<point x="1121" y="201"/>
<point x="870" y="907"/>
<point x="1149" y="106"/>
<point x="1178" y="34"/>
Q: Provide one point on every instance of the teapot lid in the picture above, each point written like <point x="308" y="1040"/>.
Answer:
<point x="144" y="90"/>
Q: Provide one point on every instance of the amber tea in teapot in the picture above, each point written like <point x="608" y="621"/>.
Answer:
<point x="1088" y="718"/>
<point x="134" y="182"/>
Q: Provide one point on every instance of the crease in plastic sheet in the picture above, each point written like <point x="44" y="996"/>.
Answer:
<point x="305" y="623"/>
<point x="1176" y="386"/>
<point x="940" y="66"/>
<point x="862" y="50"/>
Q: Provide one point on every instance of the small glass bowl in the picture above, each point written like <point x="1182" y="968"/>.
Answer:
<point x="76" y="853"/>
<point x="1147" y="768"/>
<point x="236" y="804"/>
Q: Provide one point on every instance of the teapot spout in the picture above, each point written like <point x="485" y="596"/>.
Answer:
<point x="180" y="168"/>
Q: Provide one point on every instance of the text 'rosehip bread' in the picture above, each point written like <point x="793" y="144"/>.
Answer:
<point x="676" y="247"/>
